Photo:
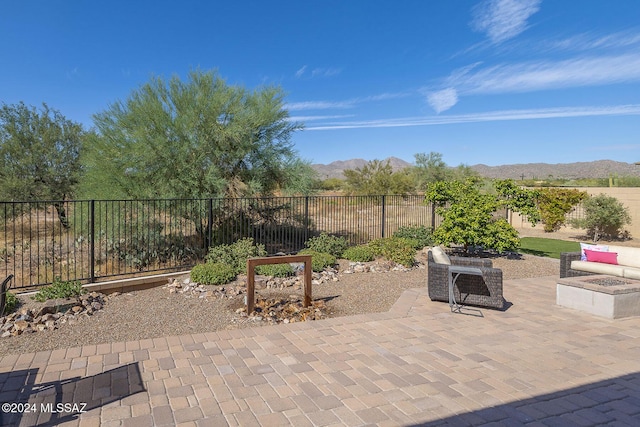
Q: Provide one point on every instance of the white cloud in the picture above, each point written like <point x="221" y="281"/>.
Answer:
<point x="502" y="20"/>
<point x="491" y="116"/>
<point x="590" y="41"/>
<point x="301" y="71"/>
<point x="325" y="72"/>
<point x="542" y="75"/>
<point x="385" y="96"/>
<point x="443" y="99"/>
<point x="349" y="103"/>
<point x="72" y="74"/>
<point x="312" y="118"/>
<point x="317" y="72"/>
<point x="319" y="105"/>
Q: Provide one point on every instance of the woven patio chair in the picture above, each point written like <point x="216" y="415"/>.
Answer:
<point x="484" y="291"/>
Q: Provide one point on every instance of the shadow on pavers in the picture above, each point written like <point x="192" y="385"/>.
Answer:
<point x="611" y="401"/>
<point x="56" y="402"/>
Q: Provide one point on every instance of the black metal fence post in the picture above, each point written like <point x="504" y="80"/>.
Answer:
<point x="92" y="242"/>
<point x="209" y="238"/>
<point x="383" y="214"/>
<point x="306" y="218"/>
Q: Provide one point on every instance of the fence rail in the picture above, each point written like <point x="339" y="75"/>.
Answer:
<point x="91" y="240"/>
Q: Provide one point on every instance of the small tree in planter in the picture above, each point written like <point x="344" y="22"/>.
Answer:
<point x="470" y="217"/>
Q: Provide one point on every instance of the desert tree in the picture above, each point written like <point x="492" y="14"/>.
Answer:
<point x="470" y="213"/>
<point x="430" y="168"/>
<point x="194" y="138"/>
<point x="199" y="138"/>
<point x="377" y="178"/>
<point x="39" y="155"/>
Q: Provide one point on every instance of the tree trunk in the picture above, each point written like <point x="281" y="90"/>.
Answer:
<point x="62" y="214"/>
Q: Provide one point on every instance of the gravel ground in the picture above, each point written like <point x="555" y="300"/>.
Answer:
<point x="155" y="312"/>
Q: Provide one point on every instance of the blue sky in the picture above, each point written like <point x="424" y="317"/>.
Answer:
<point x="491" y="81"/>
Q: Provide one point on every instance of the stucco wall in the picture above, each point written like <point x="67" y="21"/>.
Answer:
<point x="628" y="196"/>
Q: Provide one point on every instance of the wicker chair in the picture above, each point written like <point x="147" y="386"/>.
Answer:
<point x="485" y="290"/>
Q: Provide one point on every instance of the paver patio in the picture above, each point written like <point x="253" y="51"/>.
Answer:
<point x="418" y="364"/>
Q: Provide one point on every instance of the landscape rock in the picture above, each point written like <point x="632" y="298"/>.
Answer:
<point x="51" y="315"/>
<point x="282" y="310"/>
<point x="378" y="266"/>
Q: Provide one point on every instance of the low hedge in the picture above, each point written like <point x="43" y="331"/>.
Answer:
<point x="213" y="273"/>
<point x="235" y="254"/>
<point x="275" y="270"/>
<point x="396" y="249"/>
<point x="59" y="289"/>
<point x="319" y="260"/>
<point x="420" y="236"/>
<point x="360" y="253"/>
<point x="326" y="243"/>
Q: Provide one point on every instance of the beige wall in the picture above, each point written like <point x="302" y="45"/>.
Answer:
<point x="628" y="196"/>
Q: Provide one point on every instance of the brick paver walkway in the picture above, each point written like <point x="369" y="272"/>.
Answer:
<point x="533" y="364"/>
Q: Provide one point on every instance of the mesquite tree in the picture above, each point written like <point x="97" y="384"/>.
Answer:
<point x="199" y="138"/>
<point x="194" y="138"/>
<point x="39" y="156"/>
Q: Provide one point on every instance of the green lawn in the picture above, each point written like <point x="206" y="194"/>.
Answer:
<point x="547" y="247"/>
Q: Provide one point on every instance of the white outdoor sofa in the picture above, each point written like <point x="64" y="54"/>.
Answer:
<point x="628" y="264"/>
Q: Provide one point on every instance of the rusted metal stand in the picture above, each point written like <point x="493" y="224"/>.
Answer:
<point x="286" y="259"/>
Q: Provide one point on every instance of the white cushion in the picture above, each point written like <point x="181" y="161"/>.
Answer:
<point x="598" y="268"/>
<point x="439" y="255"/>
<point x="632" y="273"/>
<point x="627" y="255"/>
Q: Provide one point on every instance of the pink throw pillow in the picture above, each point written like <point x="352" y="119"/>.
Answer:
<point x="591" y="247"/>
<point x="604" y="257"/>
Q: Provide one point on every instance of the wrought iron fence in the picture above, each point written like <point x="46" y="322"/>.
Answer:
<point x="90" y="240"/>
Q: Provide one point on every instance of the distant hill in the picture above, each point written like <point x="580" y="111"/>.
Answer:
<point x="596" y="169"/>
<point x="335" y="169"/>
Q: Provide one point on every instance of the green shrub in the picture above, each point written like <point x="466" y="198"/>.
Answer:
<point x="422" y="235"/>
<point x="328" y="244"/>
<point x="212" y="273"/>
<point x="604" y="216"/>
<point x="469" y="212"/>
<point x="377" y="246"/>
<point x="10" y="303"/>
<point x="236" y="254"/>
<point x="360" y="253"/>
<point x="59" y="289"/>
<point x="275" y="270"/>
<point x="555" y="203"/>
<point x="319" y="260"/>
<point x="396" y="249"/>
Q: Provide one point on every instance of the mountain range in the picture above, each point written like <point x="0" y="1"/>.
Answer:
<point x="595" y="169"/>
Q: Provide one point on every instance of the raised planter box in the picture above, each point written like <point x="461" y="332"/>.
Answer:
<point x="605" y="296"/>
